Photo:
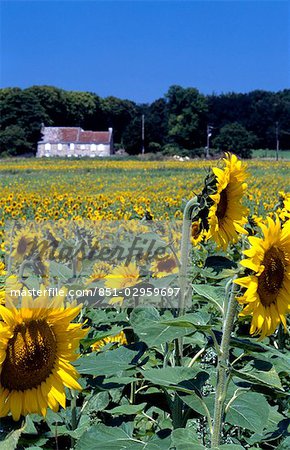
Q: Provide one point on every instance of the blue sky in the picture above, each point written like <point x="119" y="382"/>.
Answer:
<point x="137" y="49"/>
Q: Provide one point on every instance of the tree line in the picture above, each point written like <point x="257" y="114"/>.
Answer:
<point x="182" y="122"/>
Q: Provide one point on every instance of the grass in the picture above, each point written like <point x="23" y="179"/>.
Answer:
<point x="271" y="154"/>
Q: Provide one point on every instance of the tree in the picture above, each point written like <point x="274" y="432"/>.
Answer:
<point x="132" y="136"/>
<point x="156" y="122"/>
<point x="281" y="120"/>
<point x="53" y="101"/>
<point x="22" y="109"/>
<point x="187" y="110"/>
<point x="262" y="117"/>
<point x="83" y="110"/>
<point x="235" y="138"/>
<point x="118" y="114"/>
<point x="13" y="141"/>
<point x="228" y="108"/>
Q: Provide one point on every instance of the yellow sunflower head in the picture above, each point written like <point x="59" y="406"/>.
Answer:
<point x="119" y="339"/>
<point x="2" y="268"/>
<point x="100" y="271"/>
<point x="267" y="295"/>
<point x="197" y="232"/>
<point x="22" y="244"/>
<point x="118" y="300"/>
<point x="122" y="276"/>
<point x="12" y="289"/>
<point x="284" y="213"/>
<point x="38" y="343"/>
<point x="2" y="296"/>
<point x="162" y="267"/>
<point x="226" y="215"/>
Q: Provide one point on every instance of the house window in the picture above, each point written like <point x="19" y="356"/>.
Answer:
<point x="72" y="146"/>
<point x="47" y="146"/>
<point x="93" y="147"/>
<point x="59" y="146"/>
<point x="82" y="146"/>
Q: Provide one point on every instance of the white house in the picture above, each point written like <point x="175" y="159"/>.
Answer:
<point x="74" y="141"/>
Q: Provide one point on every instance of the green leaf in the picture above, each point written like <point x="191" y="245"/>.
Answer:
<point x="33" y="447"/>
<point x="185" y="439"/>
<point x="11" y="441"/>
<point x="147" y="324"/>
<point x="274" y="418"/>
<point x="60" y="271"/>
<point x="285" y="445"/>
<point x="196" y="320"/>
<point x="249" y="410"/>
<point x="83" y="425"/>
<point x="127" y="409"/>
<point x="229" y="447"/>
<point x="109" y="438"/>
<point x="110" y="362"/>
<point x="259" y="371"/>
<point x="215" y="295"/>
<point x="29" y="427"/>
<point x="198" y="404"/>
<point x="98" y="402"/>
<point x="32" y="282"/>
<point x="182" y="379"/>
<point x="271" y="427"/>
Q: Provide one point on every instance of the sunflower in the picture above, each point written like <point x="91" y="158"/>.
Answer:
<point x="226" y="215"/>
<point x="119" y="339"/>
<point x="12" y="287"/>
<point x="162" y="267"/>
<point x="267" y="295"/>
<point x="100" y="271"/>
<point x="284" y="214"/>
<point x="118" y="300"/>
<point x="38" y="343"/>
<point x="2" y="296"/>
<point x="123" y="276"/>
<point x="197" y="232"/>
<point x="2" y="268"/>
<point x="22" y="244"/>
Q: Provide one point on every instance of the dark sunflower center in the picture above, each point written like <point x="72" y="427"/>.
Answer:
<point x="166" y="265"/>
<point x="271" y="280"/>
<point x="30" y="356"/>
<point x="223" y="205"/>
<point x="195" y="230"/>
<point x="22" y="246"/>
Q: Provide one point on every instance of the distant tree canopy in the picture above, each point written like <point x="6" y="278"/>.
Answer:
<point x="178" y="121"/>
<point x="235" y="136"/>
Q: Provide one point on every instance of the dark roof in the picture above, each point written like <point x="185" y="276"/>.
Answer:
<point x="67" y="134"/>
<point x="97" y="137"/>
<point x="74" y="134"/>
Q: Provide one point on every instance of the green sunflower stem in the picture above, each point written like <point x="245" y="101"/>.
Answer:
<point x="222" y="369"/>
<point x="74" y="411"/>
<point x="74" y="420"/>
<point x="177" y="411"/>
<point x="185" y="245"/>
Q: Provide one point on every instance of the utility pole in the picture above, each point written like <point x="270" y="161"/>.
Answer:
<point x="208" y="135"/>
<point x="277" y="141"/>
<point x="143" y="134"/>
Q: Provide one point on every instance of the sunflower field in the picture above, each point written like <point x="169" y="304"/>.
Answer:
<point x="143" y="304"/>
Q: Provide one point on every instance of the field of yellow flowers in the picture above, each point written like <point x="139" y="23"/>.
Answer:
<point x="143" y="304"/>
<point x="53" y="189"/>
